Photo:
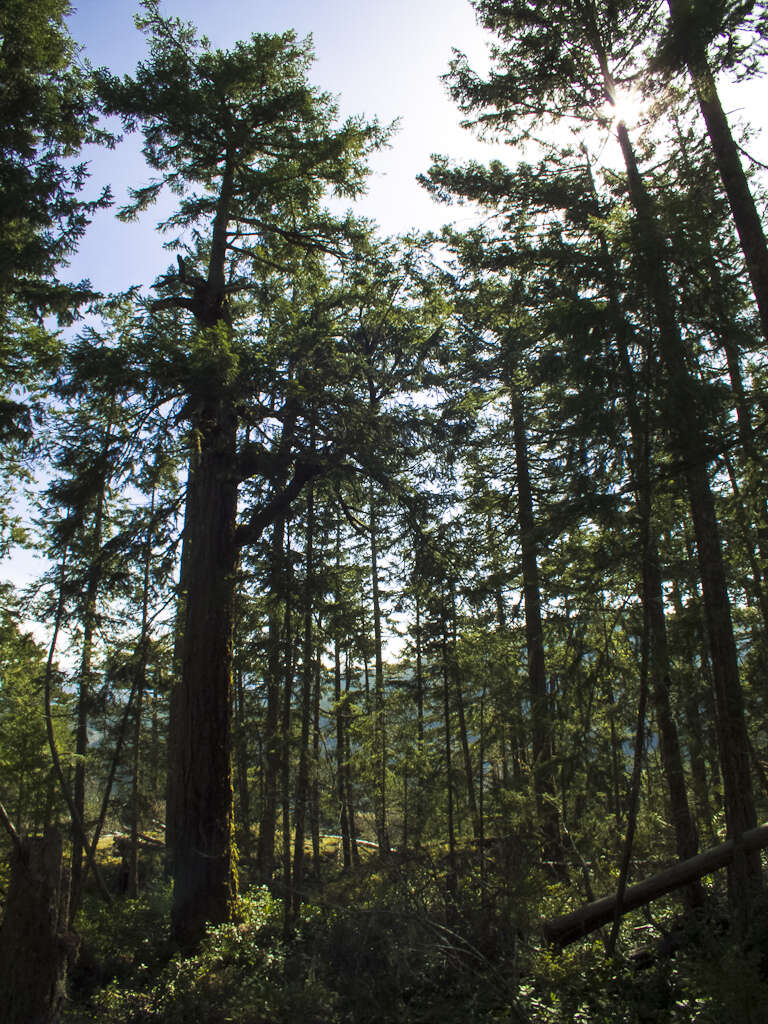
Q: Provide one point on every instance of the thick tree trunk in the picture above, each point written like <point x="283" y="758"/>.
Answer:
<point x="203" y="869"/>
<point x="36" y="946"/>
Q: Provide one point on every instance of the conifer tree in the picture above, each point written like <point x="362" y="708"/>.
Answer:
<point x="536" y="79"/>
<point x="251" y="148"/>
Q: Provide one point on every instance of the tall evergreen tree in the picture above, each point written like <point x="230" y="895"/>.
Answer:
<point x="538" y="78"/>
<point x="251" y="147"/>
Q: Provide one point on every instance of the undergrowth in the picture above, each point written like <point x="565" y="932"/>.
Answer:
<point x="409" y="957"/>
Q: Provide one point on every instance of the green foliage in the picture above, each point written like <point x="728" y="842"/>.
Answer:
<point x="402" y="963"/>
<point x="338" y="966"/>
<point x="47" y="116"/>
<point x="121" y="941"/>
<point x="26" y="785"/>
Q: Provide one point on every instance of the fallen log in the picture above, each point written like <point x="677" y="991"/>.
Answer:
<point x="566" y="928"/>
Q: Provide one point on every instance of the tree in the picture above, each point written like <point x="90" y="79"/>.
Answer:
<point x="251" y="148"/>
<point x="725" y="26"/>
<point x="24" y="759"/>
<point x="542" y="79"/>
<point x="48" y="116"/>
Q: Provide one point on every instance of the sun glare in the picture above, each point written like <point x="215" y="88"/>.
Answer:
<point x="627" y="107"/>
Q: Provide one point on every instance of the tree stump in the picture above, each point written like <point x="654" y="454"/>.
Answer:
<point x="36" y="947"/>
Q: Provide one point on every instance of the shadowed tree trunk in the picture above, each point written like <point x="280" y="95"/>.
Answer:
<point x="651" y="587"/>
<point x="36" y="946"/>
<point x="84" y="695"/>
<point x="204" y="881"/>
<point x="302" y="779"/>
<point x="685" y="425"/>
<point x="745" y="216"/>
<point x="543" y="774"/>
<point x="380" y="723"/>
<point x="272" y="739"/>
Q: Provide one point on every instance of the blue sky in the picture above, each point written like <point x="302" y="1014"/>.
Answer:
<point x="383" y="58"/>
<point x="380" y="59"/>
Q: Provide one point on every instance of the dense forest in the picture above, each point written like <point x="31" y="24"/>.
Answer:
<point x="399" y="651"/>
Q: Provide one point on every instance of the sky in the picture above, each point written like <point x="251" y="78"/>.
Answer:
<point x="381" y="59"/>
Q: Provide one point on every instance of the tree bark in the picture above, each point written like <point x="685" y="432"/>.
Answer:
<point x="743" y="209"/>
<point x="686" y="428"/>
<point x="242" y="762"/>
<point x="84" y="694"/>
<point x="140" y="686"/>
<point x="204" y="876"/>
<point x="348" y="760"/>
<point x="380" y="731"/>
<point x="272" y="738"/>
<point x="543" y="775"/>
<point x="36" y="947"/>
<point x="652" y="593"/>
<point x="302" y="780"/>
<point x="452" y="874"/>
<point x="314" y="802"/>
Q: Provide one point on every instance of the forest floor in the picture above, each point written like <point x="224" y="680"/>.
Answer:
<point x="386" y="943"/>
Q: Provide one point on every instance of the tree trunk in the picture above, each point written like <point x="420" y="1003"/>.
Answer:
<point x="686" y="428"/>
<point x="452" y="874"/>
<point x="380" y="732"/>
<point x="203" y="869"/>
<point x="745" y="216"/>
<point x="242" y="762"/>
<point x="302" y="780"/>
<point x="285" y="745"/>
<point x="36" y="947"/>
<point x="272" y="738"/>
<point x="637" y="766"/>
<point x="84" y="694"/>
<point x="543" y="774"/>
<point x="567" y="928"/>
<point x="314" y="803"/>
<point x="140" y="686"/>
<point x="652" y="593"/>
<point x="348" y="761"/>
<point x="341" y="789"/>
<point x="417" y="830"/>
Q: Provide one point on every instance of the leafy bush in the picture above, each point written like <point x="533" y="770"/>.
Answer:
<point x="119" y="940"/>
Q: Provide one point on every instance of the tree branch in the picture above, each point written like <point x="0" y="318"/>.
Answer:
<point x="249" y="533"/>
